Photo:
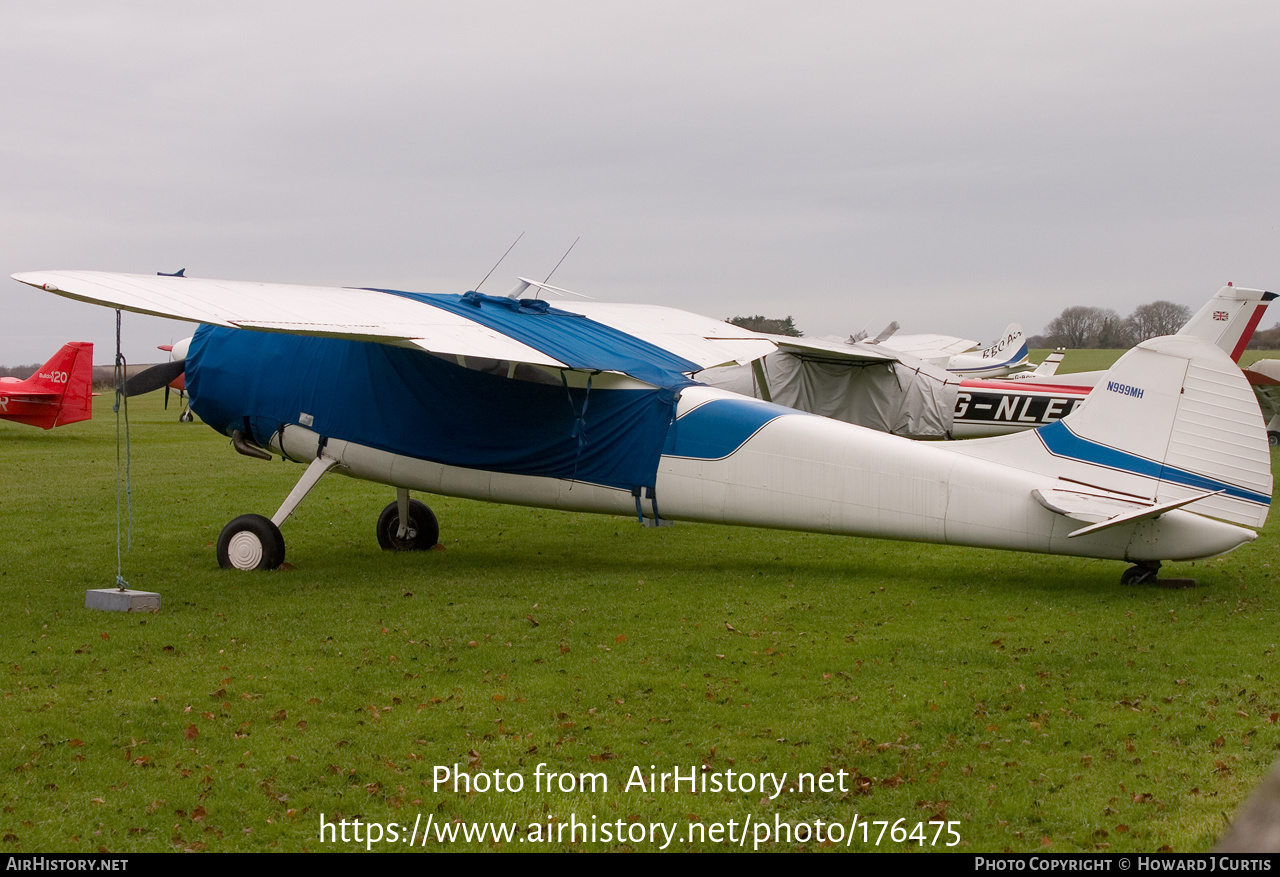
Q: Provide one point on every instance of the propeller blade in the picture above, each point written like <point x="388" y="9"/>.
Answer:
<point x="154" y="378"/>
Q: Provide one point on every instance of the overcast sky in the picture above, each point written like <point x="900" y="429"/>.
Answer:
<point x="952" y="166"/>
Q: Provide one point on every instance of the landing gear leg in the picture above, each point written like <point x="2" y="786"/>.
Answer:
<point x="252" y="541"/>
<point x="407" y="525"/>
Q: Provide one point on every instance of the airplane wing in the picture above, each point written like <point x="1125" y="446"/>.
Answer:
<point x="435" y="323"/>
<point x="835" y="351"/>
<point x="931" y="348"/>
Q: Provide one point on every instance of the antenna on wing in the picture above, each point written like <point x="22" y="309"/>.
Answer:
<point x="499" y="262"/>
<point x="561" y="262"/>
<point x="557" y="266"/>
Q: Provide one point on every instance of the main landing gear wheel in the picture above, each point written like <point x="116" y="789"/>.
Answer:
<point x="1273" y="438"/>
<point x="250" y="542"/>
<point x="423" y="531"/>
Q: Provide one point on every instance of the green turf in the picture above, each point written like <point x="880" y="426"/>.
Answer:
<point x="1031" y="700"/>
<point x="1097" y="360"/>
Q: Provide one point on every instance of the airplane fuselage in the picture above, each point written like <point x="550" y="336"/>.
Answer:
<point x="734" y="460"/>
<point x="990" y="407"/>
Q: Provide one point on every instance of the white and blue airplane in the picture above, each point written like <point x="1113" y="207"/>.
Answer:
<point x="962" y="357"/>
<point x="596" y="407"/>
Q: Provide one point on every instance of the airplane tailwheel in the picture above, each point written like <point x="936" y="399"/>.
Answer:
<point x="423" y="530"/>
<point x="1141" y="574"/>
<point x="250" y="542"/>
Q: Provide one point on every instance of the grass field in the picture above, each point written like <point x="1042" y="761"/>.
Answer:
<point x="1096" y="360"/>
<point x="1031" y="701"/>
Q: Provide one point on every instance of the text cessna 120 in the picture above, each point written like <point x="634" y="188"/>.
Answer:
<point x="60" y="392"/>
<point x="596" y="407"/>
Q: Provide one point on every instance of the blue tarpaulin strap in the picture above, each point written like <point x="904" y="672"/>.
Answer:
<point x="580" y="422"/>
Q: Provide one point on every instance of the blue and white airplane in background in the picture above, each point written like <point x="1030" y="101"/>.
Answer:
<point x="962" y="357"/>
<point x="597" y="407"/>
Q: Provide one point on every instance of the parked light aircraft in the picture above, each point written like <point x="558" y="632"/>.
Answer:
<point x="595" y="407"/>
<point x="1264" y="376"/>
<point x="60" y="392"/>
<point x="1002" y="406"/>
<point x="1004" y="356"/>
<point x="960" y="356"/>
<point x="869" y="384"/>
<point x="177" y="353"/>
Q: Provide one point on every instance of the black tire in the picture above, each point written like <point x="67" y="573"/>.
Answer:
<point x="424" y="529"/>
<point x="1139" y="575"/>
<point x="250" y="542"/>
<point x="1273" y="438"/>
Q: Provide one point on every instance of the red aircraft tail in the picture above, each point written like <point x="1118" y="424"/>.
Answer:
<point x="60" y="392"/>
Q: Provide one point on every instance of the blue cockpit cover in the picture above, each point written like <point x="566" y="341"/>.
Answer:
<point x="409" y="402"/>
<point x="575" y="340"/>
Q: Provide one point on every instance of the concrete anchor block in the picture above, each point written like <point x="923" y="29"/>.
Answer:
<point x="122" y="600"/>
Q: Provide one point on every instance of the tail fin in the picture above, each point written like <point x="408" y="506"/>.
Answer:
<point x="1049" y="367"/>
<point x="75" y="368"/>
<point x="1230" y="318"/>
<point x="1005" y="354"/>
<point x="1174" y="419"/>
<point x="60" y="392"/>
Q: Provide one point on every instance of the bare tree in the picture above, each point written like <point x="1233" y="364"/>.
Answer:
<point x="21" y="372"/>
<point x="1157" y="318"/>
<point x="1114" y="332"/>
<point x="1083" y="327"/>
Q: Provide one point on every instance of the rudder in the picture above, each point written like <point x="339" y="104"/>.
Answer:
<point x="68" y="373"/>
<point x="1173" y="419"/>
<point x="1230" y="318"/>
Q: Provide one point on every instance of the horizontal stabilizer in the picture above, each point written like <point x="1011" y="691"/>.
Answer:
<point x="1104" y="511"/>
<point x="1088" y="507"/>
